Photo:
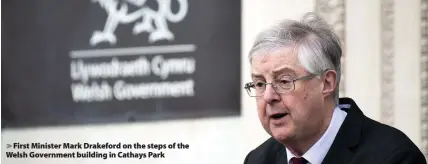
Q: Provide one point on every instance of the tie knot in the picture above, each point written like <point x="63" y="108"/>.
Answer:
<point x="296" y="160"/>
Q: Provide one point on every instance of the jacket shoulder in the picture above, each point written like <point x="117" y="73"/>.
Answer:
<point x="381" y="133"/>
<point x="379" y="137"/>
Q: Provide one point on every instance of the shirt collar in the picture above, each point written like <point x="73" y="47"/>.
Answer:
<point x="316" y="154"/>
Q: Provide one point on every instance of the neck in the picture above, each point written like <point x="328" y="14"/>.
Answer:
<point x="299" y="146"/>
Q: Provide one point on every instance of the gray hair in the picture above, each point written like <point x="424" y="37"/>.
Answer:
<point x="317" y="45"/>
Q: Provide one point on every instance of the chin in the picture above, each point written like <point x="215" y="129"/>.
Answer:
<point x="282" y="134"/>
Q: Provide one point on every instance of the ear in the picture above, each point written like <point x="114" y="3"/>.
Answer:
<point x="330" y="81"/>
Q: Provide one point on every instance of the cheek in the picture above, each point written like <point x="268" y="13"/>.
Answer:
<point x="261" y="109"/>
<point x="308" y="93"/>
<point x="308" y="102"/>
<point x="298" y="104"/>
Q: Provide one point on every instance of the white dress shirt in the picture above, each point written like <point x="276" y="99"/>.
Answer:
<point x="318" y="151"/>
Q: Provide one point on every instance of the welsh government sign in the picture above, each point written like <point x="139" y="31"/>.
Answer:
<point x="112" y="61"/>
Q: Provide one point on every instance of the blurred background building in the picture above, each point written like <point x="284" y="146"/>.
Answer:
<point x="385" y="70"/>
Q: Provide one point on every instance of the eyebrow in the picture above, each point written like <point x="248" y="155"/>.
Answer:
<point x="283" y="69"/>
<point x="276" y="72"/>
<point x="256" y="76"/>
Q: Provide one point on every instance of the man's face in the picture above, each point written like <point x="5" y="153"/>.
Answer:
<point x="303" y="107"/>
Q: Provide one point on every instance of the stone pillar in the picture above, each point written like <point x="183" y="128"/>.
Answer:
<point x="407" y="83"/>
<point x="363" y="55"/>
<point x="424" y="75"/>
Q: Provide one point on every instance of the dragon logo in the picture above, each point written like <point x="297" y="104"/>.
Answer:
<point x="145" y="15"/>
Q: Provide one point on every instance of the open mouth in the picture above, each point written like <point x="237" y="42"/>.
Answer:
<point x="278" y="115"/>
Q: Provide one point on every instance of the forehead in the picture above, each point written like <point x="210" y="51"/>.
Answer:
<point x="282" y="60"/>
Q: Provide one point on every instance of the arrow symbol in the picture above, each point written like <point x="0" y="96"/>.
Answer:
<point x="8" y="145"/>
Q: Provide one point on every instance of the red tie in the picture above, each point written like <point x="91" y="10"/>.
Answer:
<point x="295" y="160"/>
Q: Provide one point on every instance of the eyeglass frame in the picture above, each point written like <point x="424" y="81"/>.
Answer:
<point x="306" y="77"/>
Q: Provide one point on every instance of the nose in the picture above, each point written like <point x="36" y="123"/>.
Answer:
<point x="270" y="95"/>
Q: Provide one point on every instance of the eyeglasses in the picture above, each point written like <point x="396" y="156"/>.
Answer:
<point x="282" y="85"/>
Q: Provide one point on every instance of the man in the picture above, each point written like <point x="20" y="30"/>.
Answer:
<point x="295" y="69"/>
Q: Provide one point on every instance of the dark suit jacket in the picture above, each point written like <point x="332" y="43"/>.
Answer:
<point x="360" y="140"/>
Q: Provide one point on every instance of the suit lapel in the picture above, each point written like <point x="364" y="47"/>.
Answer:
<point x="348" y="136"/>
<point x="281" y="157"/>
